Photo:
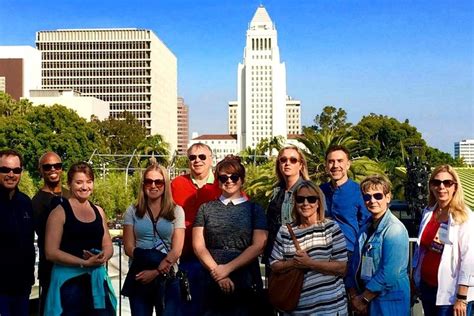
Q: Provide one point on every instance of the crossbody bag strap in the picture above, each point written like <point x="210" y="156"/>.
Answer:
<point x="293" y="237"/>
<point x="150" y="214"/>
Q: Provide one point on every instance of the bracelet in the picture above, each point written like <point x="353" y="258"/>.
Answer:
<point x="461" y="297"/>
<point x="462" y="301"/>
<point x="365" y="299"/>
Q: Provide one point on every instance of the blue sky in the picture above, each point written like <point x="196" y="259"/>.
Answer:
<point x="406" y="59"/>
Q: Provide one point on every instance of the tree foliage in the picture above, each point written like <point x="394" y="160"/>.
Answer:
<point x="123" y="135"/>
<point x="331" y="119"/>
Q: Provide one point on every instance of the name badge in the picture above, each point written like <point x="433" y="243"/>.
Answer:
<point x="442" y="234"/>
<point x="367" y="268"/>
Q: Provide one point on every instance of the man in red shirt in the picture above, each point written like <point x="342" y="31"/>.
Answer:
<point x="190" y="191"/>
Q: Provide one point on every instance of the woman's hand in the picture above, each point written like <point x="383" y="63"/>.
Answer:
<point x="302" y="260"/>
<point x="220" y="272"/>
<point x="459" y="308"/>
<point x="164" y="267"/>
<point x="358" y="305"/>
<point x="146" y="276"/>
<point x="226" y="285"/>
<point x="92" y="260"/>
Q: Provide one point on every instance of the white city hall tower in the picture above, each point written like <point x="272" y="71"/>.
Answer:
<point x="262" y="106"/>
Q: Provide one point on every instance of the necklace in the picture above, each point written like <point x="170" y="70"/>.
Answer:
<point x="442" y="215"/>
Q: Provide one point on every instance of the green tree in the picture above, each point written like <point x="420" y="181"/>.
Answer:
<point x="270" y="145"/>
<point x="123" y="134"/>
<point x="156" y="146"/>
<point x="112" y="194"/>
<point x="331" y="119"/>
<point x="259" y="182"/>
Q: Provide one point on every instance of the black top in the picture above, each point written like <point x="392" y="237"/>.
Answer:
<point x="43" y="203"/>
<point x="79" y="236"/>
<point x="16" y="244"/>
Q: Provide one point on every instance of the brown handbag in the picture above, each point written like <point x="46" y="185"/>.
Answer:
<point x="284" y="288"/>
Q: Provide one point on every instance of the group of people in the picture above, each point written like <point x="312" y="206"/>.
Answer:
<point x="194" y="242"/>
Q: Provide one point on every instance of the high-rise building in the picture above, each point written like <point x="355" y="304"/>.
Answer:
<point x="20" y="70"/>
<point x="465" y="149"/>
<point x="132" y="69"/>
<point x="183" y="126"/>
<point x="263" y="108"/>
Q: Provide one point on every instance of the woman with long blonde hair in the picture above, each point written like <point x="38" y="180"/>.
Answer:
<point x="444" y="259"/>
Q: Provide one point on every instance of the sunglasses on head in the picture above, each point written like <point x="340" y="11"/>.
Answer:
<point x="293" y="160"/>
<point x="447" y="183"/>
<point x="233" y="177"/>
<point x="7" y="170"/>
<point x="159" y="183"/>
<point x="367" y="197"/>
<point x="50" y="166"/>
<point x="193" y="157"/>
<point x="310" y="198"/>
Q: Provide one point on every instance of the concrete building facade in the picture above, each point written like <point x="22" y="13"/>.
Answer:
<point x="131" y="69"/>
<point x="465" y="150"/>
<point x="183" y="126"/>
<point x="85" y="107"/>
<point x="20" y="70"/>
<point x="261" y="110"/>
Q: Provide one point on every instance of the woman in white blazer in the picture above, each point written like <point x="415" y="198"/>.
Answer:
<point x="444" y="257"/>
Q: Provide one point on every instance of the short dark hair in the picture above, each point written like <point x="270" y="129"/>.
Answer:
<point x="231" y="164"/>
<point x="80" y="167"/>
<point x="12" y="152"/>
<point x="336" y="148"/>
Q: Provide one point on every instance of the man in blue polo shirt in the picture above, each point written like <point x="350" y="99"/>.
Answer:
<point x="343" y="196"/>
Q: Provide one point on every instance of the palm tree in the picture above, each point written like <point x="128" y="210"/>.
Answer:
<point x="155" y="146"/>
<point x="274" y="143"/>
<point x="259" y="182"/>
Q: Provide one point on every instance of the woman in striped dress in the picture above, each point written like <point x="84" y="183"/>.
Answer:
<point x="323" y="254"/>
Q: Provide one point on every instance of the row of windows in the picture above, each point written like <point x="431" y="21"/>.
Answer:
<point x="261" y="78"/>
<point x="261" y="67"/>
<point x="262" y="84"/>
<point x="96" y="64"/>
<point x="138" y="114"/>
<point x="262" y="57"/>
<point x="261" y="43"/>
<point x="130" y="106"/>
<point x="262" y="73"/>
<point x="141" y="82"/>
<point x="96" y="73"/>
<point x="93" y="45"/>
<point x="126" y="97"/>
<point x="97" y="55"/>
<point x="262" y="89"/>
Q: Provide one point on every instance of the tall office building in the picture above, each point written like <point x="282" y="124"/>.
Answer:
<point x="465" y="149"/>
<point x="183" y="126"/>
<point x="20" y="70"/>
<point x="132" y="69"/>
<point x="262" y="106"/>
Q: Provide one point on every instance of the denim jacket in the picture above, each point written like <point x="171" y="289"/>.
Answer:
<point x="387" y="249"/>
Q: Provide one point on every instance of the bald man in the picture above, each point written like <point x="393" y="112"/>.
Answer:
<point x="47" y="198"/>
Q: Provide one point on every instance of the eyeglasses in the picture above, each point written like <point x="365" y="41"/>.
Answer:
<point x="7" y="170"/>
<point x="310" y="198"/>
<point x="50" y="166"/>
<point x="447" y="183"/>
<point x="368" y="197"/>
<point x="293" y="160"/>
<point x="233" y="177"/>
<point x="193" y="157"/>
<point x="159" y="183"/>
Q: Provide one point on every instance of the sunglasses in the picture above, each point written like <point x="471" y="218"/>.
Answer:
<point x="159" y="183"/>
<point x="368" y="197"/>
<point x="7" y="170"/>
<point x="447" y="183"/>
<point x="310" y="198"/>
<point x="293" y="160"/>
<point x="233" y="177"/>
<point x="193" y="157"/>
<point x="50" y="166"/>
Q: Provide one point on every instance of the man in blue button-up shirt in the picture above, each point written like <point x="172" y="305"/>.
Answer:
<point x="343" y="196"/>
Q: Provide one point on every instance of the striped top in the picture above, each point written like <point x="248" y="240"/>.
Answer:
<point x="321" y="294"/>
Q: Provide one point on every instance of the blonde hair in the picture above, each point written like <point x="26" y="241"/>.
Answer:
<point x="457" y="206"/>
<point x="301" y="158"/>
<point x="167" y="203"/>
<point x="321" y="201"/>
